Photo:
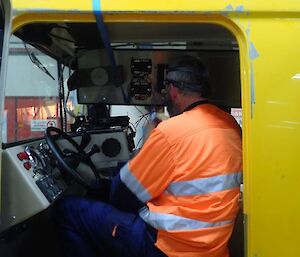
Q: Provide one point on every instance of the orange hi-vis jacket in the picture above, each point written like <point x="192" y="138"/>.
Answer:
<point x="188" y="174"/>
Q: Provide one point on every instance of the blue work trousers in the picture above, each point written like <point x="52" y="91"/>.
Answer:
<point x="90" y="228"/>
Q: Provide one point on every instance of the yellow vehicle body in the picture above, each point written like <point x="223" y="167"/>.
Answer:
<point x="267" y="33"/>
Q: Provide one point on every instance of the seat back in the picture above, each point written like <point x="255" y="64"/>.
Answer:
<point x="236" y="241"/>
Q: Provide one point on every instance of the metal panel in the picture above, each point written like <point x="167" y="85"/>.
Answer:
<point x="269" y="54"/>
<point x="21" y="196"/>
<point x="157" y="5"/>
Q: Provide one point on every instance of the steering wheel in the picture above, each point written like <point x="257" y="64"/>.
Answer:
<point x="79" y="155"/>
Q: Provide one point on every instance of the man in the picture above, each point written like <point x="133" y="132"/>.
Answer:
<point x="179" y="196"/>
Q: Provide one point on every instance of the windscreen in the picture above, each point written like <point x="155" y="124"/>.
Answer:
<point x="31" y="94"/>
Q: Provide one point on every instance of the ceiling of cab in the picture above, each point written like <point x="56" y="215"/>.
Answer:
<point x="65" y="40"/>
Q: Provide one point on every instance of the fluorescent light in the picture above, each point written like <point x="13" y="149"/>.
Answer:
<point x="297" y="76"/>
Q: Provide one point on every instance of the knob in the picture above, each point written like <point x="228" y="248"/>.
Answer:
<point x="111" y="147"/>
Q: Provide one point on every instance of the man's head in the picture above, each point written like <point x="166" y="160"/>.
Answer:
<point x="187" y="82"/>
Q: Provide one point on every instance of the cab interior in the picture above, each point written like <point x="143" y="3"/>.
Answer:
<point x="101" y="91"/>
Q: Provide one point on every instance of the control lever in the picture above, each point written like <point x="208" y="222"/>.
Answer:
<point x="92" y="151"/>
<point x="85" y="139"/>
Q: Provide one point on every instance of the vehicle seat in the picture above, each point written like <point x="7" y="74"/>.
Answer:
<point x="236" y="241"/>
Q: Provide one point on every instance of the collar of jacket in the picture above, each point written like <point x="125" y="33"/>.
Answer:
<point x="195" y="104"/>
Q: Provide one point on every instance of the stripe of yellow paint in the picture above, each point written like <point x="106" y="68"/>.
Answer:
<point x="159" y="5"/>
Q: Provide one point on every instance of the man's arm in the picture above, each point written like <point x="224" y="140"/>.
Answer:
<point x="145" y="176"/>
<point x="122" y="198"/>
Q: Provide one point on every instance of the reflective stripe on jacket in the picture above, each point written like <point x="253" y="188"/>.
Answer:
<point x="189" y="173"/>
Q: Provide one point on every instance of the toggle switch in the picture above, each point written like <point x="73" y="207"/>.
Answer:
<point x="23" y="156"/>
<point x="27" y="165"/>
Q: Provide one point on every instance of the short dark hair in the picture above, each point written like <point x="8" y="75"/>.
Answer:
<point x="188" y="73"/>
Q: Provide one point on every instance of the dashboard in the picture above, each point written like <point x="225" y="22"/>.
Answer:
<point x="32" y="180"/>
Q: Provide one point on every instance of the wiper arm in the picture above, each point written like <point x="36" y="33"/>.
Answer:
<point x="37" y="62"/>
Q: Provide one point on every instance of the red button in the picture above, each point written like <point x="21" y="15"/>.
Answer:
<point x="27" y="165"/>
<point x="23" y="156"/>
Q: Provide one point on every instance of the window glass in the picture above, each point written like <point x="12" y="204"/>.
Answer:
<point x="31" y="94"/>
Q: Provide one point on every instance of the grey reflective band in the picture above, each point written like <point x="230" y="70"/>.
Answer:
<point x="133" y="184"/>
<point x="205" y="185"/>
<point x="172" y="222"/>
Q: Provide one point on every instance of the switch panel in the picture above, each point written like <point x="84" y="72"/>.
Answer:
<point x="49" y="188"/>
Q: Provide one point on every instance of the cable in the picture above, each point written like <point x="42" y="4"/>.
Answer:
<point x="143" y="114"/>
<point x="63" y="112"/>
<point x="139" y="142"/>
<point x="134" y="130"/>
<point x="141" y="118"/>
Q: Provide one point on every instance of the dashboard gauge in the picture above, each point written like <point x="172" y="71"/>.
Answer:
<point x="99" y="76"/>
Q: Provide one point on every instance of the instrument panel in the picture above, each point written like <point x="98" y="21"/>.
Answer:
<point x="33" y="181"/>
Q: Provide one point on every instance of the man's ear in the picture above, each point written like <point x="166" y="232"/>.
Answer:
<point x="174" y="93"/>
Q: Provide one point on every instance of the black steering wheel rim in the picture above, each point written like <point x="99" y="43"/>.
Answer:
<point x="59" y="155"/>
